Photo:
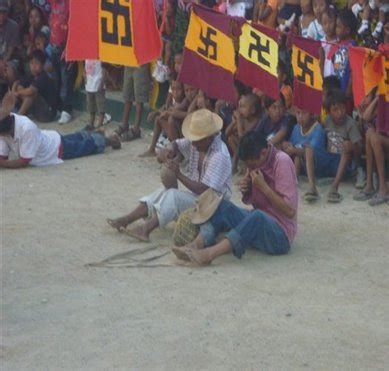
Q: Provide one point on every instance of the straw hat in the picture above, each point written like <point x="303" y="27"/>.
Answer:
<point x="207" y="204"/>
<point x="201" y="124"/>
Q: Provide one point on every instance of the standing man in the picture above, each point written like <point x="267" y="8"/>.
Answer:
<point x="270" y="186"/>
<point x="209" y="166"/>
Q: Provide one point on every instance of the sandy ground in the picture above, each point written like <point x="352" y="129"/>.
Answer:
<point x="322" y="307"/>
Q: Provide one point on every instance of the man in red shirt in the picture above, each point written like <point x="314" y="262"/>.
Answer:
<point x="270" y="186"/>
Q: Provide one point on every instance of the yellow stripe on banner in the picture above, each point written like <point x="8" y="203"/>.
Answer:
<point x="210" y="43"/>
<point x="306" y="68"/>
<point x="116" y="41"/>
<point x="384" y="83"/>
<point x="259" y="49"/>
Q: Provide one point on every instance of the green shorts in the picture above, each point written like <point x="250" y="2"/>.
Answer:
<point x="95" y="102"/>
<point x="137" y="84"/>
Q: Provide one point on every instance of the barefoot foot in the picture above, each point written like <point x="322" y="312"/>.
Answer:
<point x="119" y="224"/>
<point x="148" y="153"/>
<point x="197" y="257"/>
<point x="138" y="233"/>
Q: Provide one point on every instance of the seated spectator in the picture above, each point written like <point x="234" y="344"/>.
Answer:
<point x="306" y="17"/>
<point x="330" y="83"/>
<point x="276" y="125"/>
<point x="209" y="167"/>
<point x="41" y="42"/>
<point x="32" y="146"/>
<point x="307" y="135"/>
<point x="343" y="143"/>
<point x="315" y="29"/>
<point x="244" y="119"/>
<point x="9" y="34"/>
<point x="265" y="13"/>
<point x="37" y="94"/>
<point x="160" y="117"/>
<point x="284" y="83"/>
<point x="270" y="186"/>
<point x="201" y="101"/>
<point x="37" y="23"/>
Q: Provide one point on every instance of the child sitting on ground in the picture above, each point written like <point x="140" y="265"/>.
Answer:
<point x="41" y="42"/>
<point x="201" y="101"/>
<point x="276" y="125"/>
<point x="244" y="119"/>
<point x="343" y="144"/>
<point x="330" y="83"/>
<point x="307" y="135"/>
<point x="37" y="94"/>
<point x="159" y="117"/>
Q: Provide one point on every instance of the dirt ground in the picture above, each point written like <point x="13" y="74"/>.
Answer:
<point x="322" y="307"/>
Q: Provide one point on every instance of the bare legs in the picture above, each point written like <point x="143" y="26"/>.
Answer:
<point x="121" y="223"/>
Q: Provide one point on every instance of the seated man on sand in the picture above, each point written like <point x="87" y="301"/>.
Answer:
<point x="270" y="186"/>
<point x="209" y="166"/>
<point x="36" y="147"/>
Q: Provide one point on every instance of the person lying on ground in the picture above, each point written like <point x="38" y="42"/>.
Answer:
<point x="209" y="166"/>
<point x="270" y="186"/>
<point x="244" y="119"/>
<point x="32" y="146"/>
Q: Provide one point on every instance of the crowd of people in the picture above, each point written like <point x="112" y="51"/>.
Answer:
<point x="267" y="141"/>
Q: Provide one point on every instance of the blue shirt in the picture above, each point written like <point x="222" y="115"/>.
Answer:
<point x="316" y="137"/>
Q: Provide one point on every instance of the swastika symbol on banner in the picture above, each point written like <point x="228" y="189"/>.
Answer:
<point x="117" y="10"/>
<point x="303" y="64"/>
<point x="259" y="49"/>
<point x="209" y="44"/>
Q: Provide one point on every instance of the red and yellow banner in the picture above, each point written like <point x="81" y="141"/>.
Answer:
<point x="209" y="56"/>
<point x="121" y="32"/>
<point x="258" y="59"/>
<point x="367" y="71"/>
<point x="383" y="90"/>
<point x="308" y="80"/>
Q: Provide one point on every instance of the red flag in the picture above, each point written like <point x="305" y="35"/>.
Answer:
<point x="122" y="32"/>
<point x="367" y="71"/>
<point x="209" y="56"/>
<point x="308" y="80"/>
<point x="258" y="59"/>
<point x="383" y="99"/>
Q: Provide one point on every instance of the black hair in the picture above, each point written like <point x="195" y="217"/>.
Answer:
<point x="268" y="101"/>
<point x="331" y="12"/>
<point x="42" y="35"/>
<point x="255" y="101"/>
<point x="251" y="145"/>
<point x="40" y="11"/>
<point x="331" y="82"/>
<point x="335" y="97"/>
<point x="38" y="55"/>
<point x="6" y="124"/>
<point x="347" y="17"/>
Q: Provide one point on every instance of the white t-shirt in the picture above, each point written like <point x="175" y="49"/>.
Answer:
<point x="94" y="75"/>
<point x="315" y="30"/>
<point x="328" y="68"/>
<point x="237" y="9"/>
<point x="29" y="142"/>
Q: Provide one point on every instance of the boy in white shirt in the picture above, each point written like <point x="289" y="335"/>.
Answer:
<point x="32" y="146"/>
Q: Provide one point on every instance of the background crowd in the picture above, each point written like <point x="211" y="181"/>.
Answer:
<point x="342" y="142"/>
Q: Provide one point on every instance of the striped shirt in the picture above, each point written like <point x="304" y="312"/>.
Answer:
<point x="216" y="170"/>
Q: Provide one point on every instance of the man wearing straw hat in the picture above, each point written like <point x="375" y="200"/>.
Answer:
<point x="209" y="166"/>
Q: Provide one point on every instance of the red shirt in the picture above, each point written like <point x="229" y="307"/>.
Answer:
<point x="280" y="174"/>
<point x="58" y="22"/>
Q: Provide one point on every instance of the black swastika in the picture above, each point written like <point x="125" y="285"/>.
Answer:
<point x="386" y="76"/>
<point x="209" y="44"/>
<point x="305" y="70"/>
<point x="259" y="49"/>
<point x="117" y="10"/>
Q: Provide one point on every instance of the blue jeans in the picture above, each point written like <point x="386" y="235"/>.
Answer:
<point x="246" y="229"/>
<point x="82" y="143"/>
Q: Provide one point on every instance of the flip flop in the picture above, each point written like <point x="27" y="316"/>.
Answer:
<point x="311" y="197"/>
<point x="378" y="200"/>
<point x="363" y="196"/>
<point x="334" y="197"/>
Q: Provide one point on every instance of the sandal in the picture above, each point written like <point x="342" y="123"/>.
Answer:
<point x="363" y="196"/>
<point x="311" y="196"/>
<point x="334" y="197"/>
<point x="378" y="200"/>
<point x="130" y="135"/>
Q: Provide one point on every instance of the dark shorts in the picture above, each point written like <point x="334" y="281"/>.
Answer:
<point x="42" y="111"/>
<point x="95" y="102"/>
<point x="137" y="84"/>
